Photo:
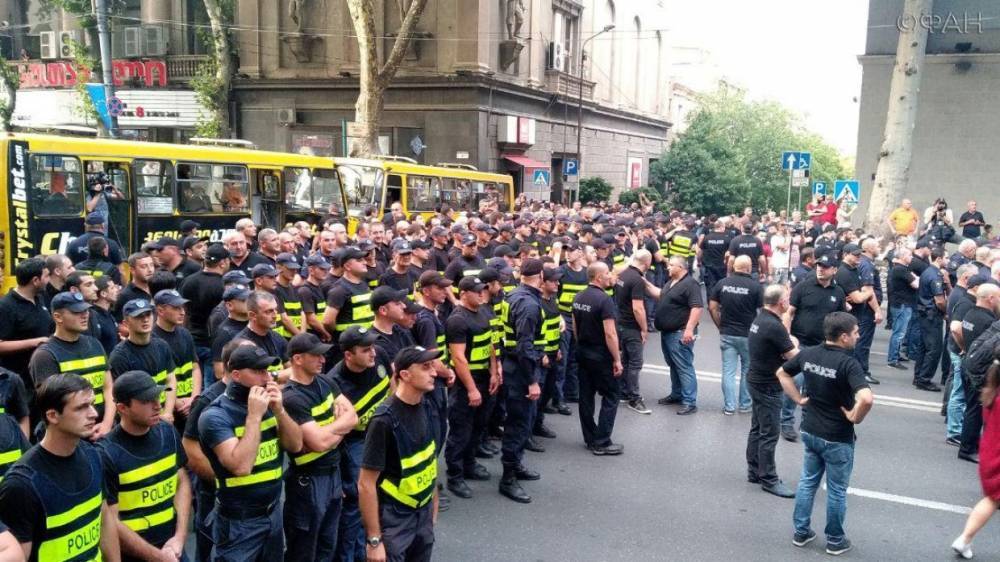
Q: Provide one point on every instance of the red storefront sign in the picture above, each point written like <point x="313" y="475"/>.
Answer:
<point x="62" y="74"/>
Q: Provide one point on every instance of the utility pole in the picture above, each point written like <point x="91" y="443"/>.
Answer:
<point x="104" y="39"/>
<point x="579" y="106"/>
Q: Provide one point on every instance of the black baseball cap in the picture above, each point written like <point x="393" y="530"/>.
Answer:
<point x="287" y="259"/>
<point x="137" y="307"/>
<point x="263" y="270"/>
<point x="251" y="357"/>
<point x="599" y="244"/>
<point x="432" y="277"/>
<point x="469" y="240"/>
<point x="852" y="249"/>
<point x="136" y="385"/>
<point x="490" y="274"/>
<point x="410" y="306"/>
<point x="384" y="295"/>
<point x="307" y="343"/>
<point x="351" y="253"/>
<point x="238" y="292"/>
<point x="552" y="274"/>
<point x="318" y="261"/>
<point x="191" y="241"/>
<point x="187" y="225"/>
<point x="357" y="336"/>
<point x="421" y="244"/>
<point x="531" y="267"/>
<point x="169" y="297"/>
<point x="409" y="356"/>
<point x="470" y="283"/>
<point x="236" y="276"/>
<point x="72" y="301"/>
<point x="94" y="219"/>
<point x="827" y="258"/>
<point x="439" y="231"/>
<point x="163" y="242"/>
<point x="402" y="247"/>
<point x="977" y="280"/>
<point x="216" y="253"/>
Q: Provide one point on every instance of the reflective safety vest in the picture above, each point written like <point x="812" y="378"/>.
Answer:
<point x="185" y="381"/>
<point x="496" y="322"/>
<point x="478" y="354"/>
<point x="510" y="338"/>
<point x="95" y="268"/>
<point x="357" y="312"/>
<point x="681" y="245"/>
<point x="294" y="311"/>
<point x="147" y="486"/>
<point x="617" y="257"/>
<point x="568" y="292"/>
<point x="84" y="357"/>
<point x="323" y="415"/>
<point x="442" y="346"/>
<point x="267" y="465"/>
<point x="12" y="443"/>
<point x="550" y="330"/>
<point x="371" y="400"/>
<point x="415" y="488"/>
<point x="72" y="520"/>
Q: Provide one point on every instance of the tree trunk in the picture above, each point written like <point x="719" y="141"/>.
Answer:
<point x="374" y="78"/>
<point x="8" y="93"/>
<point x="223" y="64"/>
<point x="892" y="175"/>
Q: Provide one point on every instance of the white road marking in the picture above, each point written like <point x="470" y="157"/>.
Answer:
<point x="907" y="500"/>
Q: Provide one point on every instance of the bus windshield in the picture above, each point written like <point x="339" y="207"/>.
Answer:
<point x="327" y="195"/>
<point x="364" y="186"/>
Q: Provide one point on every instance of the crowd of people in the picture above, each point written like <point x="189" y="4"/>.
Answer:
<point x="288" y="394"/>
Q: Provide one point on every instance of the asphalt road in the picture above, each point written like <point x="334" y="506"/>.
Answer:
<point x="679" y="491"/>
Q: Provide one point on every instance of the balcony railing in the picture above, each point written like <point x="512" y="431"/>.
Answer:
<point x="566" y="84"/>
<point x="184" y="67"/>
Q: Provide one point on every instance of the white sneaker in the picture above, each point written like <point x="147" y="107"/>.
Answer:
<point x="961" y="548"/>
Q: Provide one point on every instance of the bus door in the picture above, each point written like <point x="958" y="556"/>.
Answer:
<point x="111" y="175"/>
<point x="56" y="191"/>
<point x="266" y="200"/>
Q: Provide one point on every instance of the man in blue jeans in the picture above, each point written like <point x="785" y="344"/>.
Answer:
<point x="838" y="399"/>
<point x="733" y="304"/>
<point x="902" y="284"/>
<point x="678" y="310"/>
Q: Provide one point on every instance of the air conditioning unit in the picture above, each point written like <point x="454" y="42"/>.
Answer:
<point x="154" y="41"/>
<point x="286" y="116"/>
<point x="66" y="41"/>
<point x="556" y="59"/>
<point x="47" y="45"/>
<point x="132" y="42"/>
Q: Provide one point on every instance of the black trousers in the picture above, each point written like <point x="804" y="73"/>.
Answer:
<point x="630" y="345"/>
<point x="972" y="422"/>
<point x="931" y="329"/>
<point x="467" y="425"/>
<point x="765" y="427"/>
<point x="597" y="378"/>
<point x="408" y="534"/>
<point x="548" y="384"/>
<point x="520" y="413"/>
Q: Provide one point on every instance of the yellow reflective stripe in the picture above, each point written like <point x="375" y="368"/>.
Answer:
<point x="143" y="523"/>
<point x="161" y="376"/>
<point x="73" y="543"/>
<point x="148" y="496"/>
<point x="417" y="458"/>
<point x="419" y="481"/>
<point x="361" y="298"/>
<point x="60" y="519"/>
<point x="3" y="410"/>
<point x="96" y="380"/>
<point x="308" y="457"/>
<point x="267" y="451"/>
<point x="264" y="426"/>
<point x="323" y="406"/>
<point x="185" y="388"/>
<point x="293" y="306"/>
<point x="144" y="472"/>
<point x="8" y="457"/>
<point x="364" y="400"/>
<point x="79" y="364"/>
<point x="343" y="327"/>
<point x="391" y="489"/>
<point x="265" y="476"/>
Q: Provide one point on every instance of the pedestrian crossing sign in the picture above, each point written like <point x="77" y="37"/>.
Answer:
<point x="541" y="178"/>
<point x="850" y="190"/>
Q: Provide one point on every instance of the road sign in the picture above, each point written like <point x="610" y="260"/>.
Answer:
<point x="800" y="182"/>
<point x="804" y="162"/>
<point x="541" y="178"/>
<point x="796" y="160"/>
<point x="852" y="187"/>
<point x="115" y="106"/>
<point x="571" y="166"/>
<point x="819" y="188"/>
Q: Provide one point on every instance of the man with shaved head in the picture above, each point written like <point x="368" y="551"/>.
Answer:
<point x="733" y="304"/>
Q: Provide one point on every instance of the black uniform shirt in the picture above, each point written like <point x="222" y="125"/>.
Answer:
<point x="388" y="345"/>
<point x="812" y="303"/>
<point x="130" y="292"/>
<point x="463" y="325"/>
<point x="900" y="291"/>
<point x="931" y="285"/>
<point x="152" y="358"/>
<point x="831" y="377"/>
<point x="591" y="307"/>
<point x="713" y="249"/>
<point x="203" y="290"/>
<point x="747" y="245"/>
<point x="768" y="341"/>
<point x="676" y="303"/>
<point x="226" y="333"/>
<point x="22" y="320"/>
<point x="976" y="322"/>
<point x="739" y="297"/>
<point x="381" y="453"/>
<point x="271" y="342"/>
<point x="630" y="287"/>
<point x="299" y="401"/>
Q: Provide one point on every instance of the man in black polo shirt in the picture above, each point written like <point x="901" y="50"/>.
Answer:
<point x="714" y="245"/>
<point x="857" y="281"/>
<point x="931" y="307"/>
<point x="902" y="289"/>
<point x="975" y="322"/>
<point x="748" y="245"/>
<point x="27" y="322"/>
<point x="142" y="267"/>
<point x="262" y="313"/>
<point x="235" y="299"/>
<point x="770" y="345"/>
<point x="630" y="296"/>
<point x="733" y="305"/>
<point x="838" y="399"/>
<point x="204" y="290"/>
<point x="677" y="314"/>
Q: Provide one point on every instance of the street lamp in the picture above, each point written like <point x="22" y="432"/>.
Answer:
<point x="579" y="107"/>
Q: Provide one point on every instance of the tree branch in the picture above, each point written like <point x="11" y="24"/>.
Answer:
<point x="402" y="41"/>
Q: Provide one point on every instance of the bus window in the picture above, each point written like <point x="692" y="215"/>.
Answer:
<point x="364" y="186"/>
<point x="491" y="193"/>
<point x="421" y="193"/>
<point x="394" y="191"/>
<point x="298" y="189"/>
<point x="327" y="195"/>
<point x="266" y="203"/>
<point x="208" y="188"/>
<point x="455" y="193"/>
<point x="56" y="185"/>
<point x="154" y="186"/>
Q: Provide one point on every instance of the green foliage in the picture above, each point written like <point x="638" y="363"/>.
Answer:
<point x="594" y="189"/>
<point x="630" y="196"/>
<point x="80" y="8"/>
<point x="9" y="81"/>
<point x="730" y="156"/>
<point x="210" y="92"/>
<point x="84" y="64"/>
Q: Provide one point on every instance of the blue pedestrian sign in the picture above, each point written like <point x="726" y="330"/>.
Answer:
<point x="796" y="160"/>
<point x="819" y="188"/>
<point x="852" y="189"/>
<point x="571" y="167"/>
<point x="541" y="178"/>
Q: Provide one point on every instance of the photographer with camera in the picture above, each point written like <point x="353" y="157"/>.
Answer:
<point x="939" y="222"/>
<point x="99" y="188"/>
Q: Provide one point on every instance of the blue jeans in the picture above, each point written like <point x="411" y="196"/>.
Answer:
<point x="956" y="402"/>
<point x="914" y="337"/>
<point x="735" y="353"/>
<point x="788" y="406"/>
<point x="837" y="460"/>
<point x="900" y="316"/>
<point x="680" y="359"/>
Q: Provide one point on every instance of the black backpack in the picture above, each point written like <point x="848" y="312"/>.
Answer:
<point x="979" y="356"/>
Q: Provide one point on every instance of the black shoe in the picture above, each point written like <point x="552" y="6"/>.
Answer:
<point x="668" y="400"/>
<point x="838" y="549"/>
<point x="752" y="478"/>
<point x="511" y="488"/>
<point x="571" y="399"/>
<point x="522" y="473"/>
<point x="973" y="458"/>
<point x="871" y="380"/>
<point x="534" y="446"/>
<point x="490" y="447"/>
<point x="955" y="441"/>
<point x="608" y="450"/>
<point x="899" y="366"/>
<point x="779" y="490"/>
<point x="790" y="434"/>
<point x="459" y="488"/>
<point x="687" y="410"/>
<point x="483" y="453"/>
<point x="478" y="472"/>
<point x="904" y="359"/>
<point x="550" y="409"/>
<point x="542" y="431"/>
<point x="563" y="409"/>
<point x="928" y="386"/>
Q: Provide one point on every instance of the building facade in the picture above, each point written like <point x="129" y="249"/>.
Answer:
<point x="958" y="125"/>
<point x="490" y="83"/>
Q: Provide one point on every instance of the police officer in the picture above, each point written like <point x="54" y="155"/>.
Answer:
<point x="747" y="244"/>
<point x="290" y="320"/>
<point x="204" y="291"/>
<point x="313" y="298"/>
<point x="366" y="384"/>
<point x="56" y="490"/>
<point x="594" y="319"/>
<point x="713" y="246"/>
<point x="574" y="279"/>
<point x="313" y="490"/>
<point x="13" y="419"/>
<point x="400" y="275"/>
<point x="733" y="305"/>
<point x="468" y="263"/>
<point x="469" y="337"/>
<point x="141" y="352"/>
<point x="97" y="263"/>
<point x="262" y="310"/>
<point x="552" y="327"/>
<point x="931" y="304"/>
<point x="683" y="243"/>
<point x="69" y="350"/>
<point x="235" y="299"/>
<point x="389" y="306"/>
<point x="399" y="470"/>
<point x="857" y="278"/>
<point x="148" y="487"/>
<point x="630" y="303"/>
<point x="169" y="327"/>
<point x="244" y="434"/>
<point x="348" y="300"/>
<point x="521" y="369"/>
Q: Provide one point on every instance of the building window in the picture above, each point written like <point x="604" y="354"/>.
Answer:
<point x="565" y="37"/>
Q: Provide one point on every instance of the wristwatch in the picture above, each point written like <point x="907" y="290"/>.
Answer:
<point x="374" y="541"/>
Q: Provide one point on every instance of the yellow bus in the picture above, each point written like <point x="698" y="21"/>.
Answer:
<point x="44" y="181"/>
<point x="376" y="183"/>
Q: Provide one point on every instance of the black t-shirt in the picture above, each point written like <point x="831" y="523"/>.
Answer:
<point x="957" y="308"/>
<point x="851" y="279"/>
<point x="130" y="292"/>
<point x="227" y="332"/>
<point x="271" y="342"/>
<point x="104" y="327"/>
<point x="713" y="249"/>
<point x="630" y="287"/>
<point x="739" y="297"/>
<point x="918" y="265"/>
<point x="812" y="303"/>
<point x="388" y="345"/>
<point x="13" y="395"/>
<point x="971" y="230"/>
<point x="591" y="307"/>
<point x="198" y="406"/>
<point x="831" y="379"/>
<point x="405" y="281"/>
<point x="204" y="291"/>
<point x="462" y="327"/>
<point x="768" y="341"/>
<point x="299" y="401"/>
<point x="22" y="320"/>
<point x="340" y="295"/>
<point x="462" y="266"/>
<point x="439" y="259"/>
<point x="252" y="259"/>
<point x="381" y="452"/>
<point x="153" y="358"/>
<point x="180" y="342"/>
<point x="900" y="290"/>
<point x="976" y="322"/>
<point x="310" y="296"/>
<point x="676" y="302"/>
<point x="747" y="245"/>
